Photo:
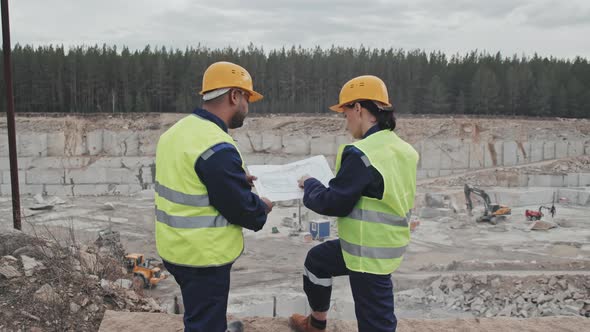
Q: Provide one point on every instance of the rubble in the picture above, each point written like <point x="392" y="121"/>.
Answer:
<point x="9" y="272"/>
<point x="508" y="296"/>
<point x="45" y="292"/>
<point x="30" y="264"/>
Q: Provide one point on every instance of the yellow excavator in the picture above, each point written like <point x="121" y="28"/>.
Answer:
<point x="492" y="212"/>
<point x="145" y="273"/>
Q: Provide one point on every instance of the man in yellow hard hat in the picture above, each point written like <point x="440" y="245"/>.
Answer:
<point x="204" y="198"/>
<point x="372" y="195"/>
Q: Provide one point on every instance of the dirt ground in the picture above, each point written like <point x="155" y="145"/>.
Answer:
<point x="271" y="265"/>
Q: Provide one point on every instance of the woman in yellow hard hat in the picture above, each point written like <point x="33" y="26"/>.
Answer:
<point x="372" y="195"/>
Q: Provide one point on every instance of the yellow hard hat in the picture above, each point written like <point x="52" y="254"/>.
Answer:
<point x="367" y="87"/>
<point x="228" y="75"/>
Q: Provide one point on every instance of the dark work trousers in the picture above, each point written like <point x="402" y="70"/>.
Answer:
<point x="204" y="295"/>
<point x="372" y="293"/>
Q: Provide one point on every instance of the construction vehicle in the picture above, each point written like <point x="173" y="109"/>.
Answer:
<point x="537" y="215"/>
<point x="492" y="212"/>
<point x="145" y="272"/>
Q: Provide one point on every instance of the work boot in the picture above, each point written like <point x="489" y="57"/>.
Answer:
<point x="235" y="326"/>
<point x="302" y="323"/>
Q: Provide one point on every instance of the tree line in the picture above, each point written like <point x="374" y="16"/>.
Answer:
<point x="297" y="80"/>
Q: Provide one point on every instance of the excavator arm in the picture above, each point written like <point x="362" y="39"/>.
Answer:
<point x="486" y="199"/>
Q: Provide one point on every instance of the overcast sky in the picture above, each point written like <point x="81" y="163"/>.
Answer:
<point x="549" y="27"/>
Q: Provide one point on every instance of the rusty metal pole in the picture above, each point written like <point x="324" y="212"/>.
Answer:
<point x="10" y="117"/>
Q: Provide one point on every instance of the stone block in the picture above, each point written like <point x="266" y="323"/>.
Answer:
<point x="458" y="152"/>
<point x="255" y="139"/>
<point x="7" y="180"/>
<point x="536" y="151"/>
<point x="281" y="159"/>
<point x="60" y="162"/>
<point x="45" y="176"/>
<point x="331" y="162"/>
<point x="122" y="176"/>
<point x="123" y="162"/>
<point x="561" y="149"/>
<point x="243" y="142"/>
<point x="525" y="197"/>
<point x="56" y="144"/>
<point x="547" y="180"/>
<point x="94" y="142"/>
<point x="459" y="171"/>
<point x="92" y="189"/>
<point x="148" y="141"/>
<point x="584" y="198"/>
<point x="559" y="180"/>
<point x="584" y="179"/>
<point x="576" y="196"/>
<point x="433" y="173"/>
<point x="575" y="148"/>
<point x="573" y="180"/>
<point x="4" y="145"/>
<point x="445" y="172"/>
<point x="493" y="155"/>
<point x="343" y="139"/>
<point x="476" y="155"/>
<point x="32" y="145"/>
<point x="296" y="145"/>
<point x="256" y="158"/>
<point x="75" y="144"/>
<point x="271" y="142"/>
<point x="509" y="154"/>
<point x="421" y="174"/>
<point x="549" y="150"/>
<point x="124" y="143"/>
<point x="91" y="175"/>
<point x="23" y="163"/>
<point x="587" y="148"/>
<point x="125" y="189"/>
<point x="147" y="175"/>
<point x="25" y="189"/>
<point x="523" y="153"/>
<point x="323" y="145"/>
<point x="431" y="156"/>
<point x="58" y="190"/>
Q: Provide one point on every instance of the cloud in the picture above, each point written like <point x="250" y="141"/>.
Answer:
<point x="510" y="26"/>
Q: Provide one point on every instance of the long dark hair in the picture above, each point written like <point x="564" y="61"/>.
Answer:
<point x="385" y="118"/>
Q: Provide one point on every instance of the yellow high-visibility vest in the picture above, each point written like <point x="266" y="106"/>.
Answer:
<point x="374" y="236"/>
<point x="189" y="231"/>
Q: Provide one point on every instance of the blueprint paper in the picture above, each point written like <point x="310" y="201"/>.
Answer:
<point x="279" y="182"/>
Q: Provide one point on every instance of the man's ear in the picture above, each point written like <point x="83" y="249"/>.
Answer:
<point x="234" y="97"/>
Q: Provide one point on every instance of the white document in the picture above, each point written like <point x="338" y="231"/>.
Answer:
<point x="279" y="182"/>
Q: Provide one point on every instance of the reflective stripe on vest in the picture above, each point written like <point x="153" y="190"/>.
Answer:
<point x="181" y="198"/>
<point x="379" y="217"/>
<point x="372" y="252"/>
<point x="191" y="222"/>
